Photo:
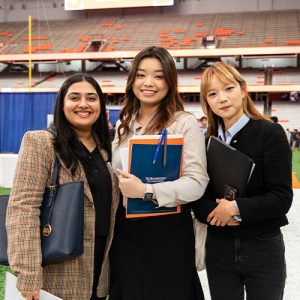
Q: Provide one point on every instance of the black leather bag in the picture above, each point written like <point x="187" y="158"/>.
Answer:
<point x="62" y="221"/>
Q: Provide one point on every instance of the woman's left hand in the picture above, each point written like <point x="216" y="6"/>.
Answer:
<point x="130" y="185"/>
<point x="223" y="213"/>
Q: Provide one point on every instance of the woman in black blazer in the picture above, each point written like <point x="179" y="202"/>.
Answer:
<point x="244" y="246"/>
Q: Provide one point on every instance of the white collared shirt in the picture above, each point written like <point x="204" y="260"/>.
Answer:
<point x="233" y="130"/>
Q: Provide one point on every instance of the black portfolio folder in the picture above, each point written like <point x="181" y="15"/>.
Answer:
<point x="227" y="166"/>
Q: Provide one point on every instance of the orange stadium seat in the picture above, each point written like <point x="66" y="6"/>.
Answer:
<point x="293" y="42"/>
<point x="35" y="38"/>
<point x="179" y="30"/>
<point x="108" y="24"/>
<point x="199" y="24"/>
<point x="223" y="32"/>
<point x="80" y="48"/>
<point x="109" y="48"/>
<point x="269" y="40"/>
<point x="5" y="33"/>
<point x="85" y="38"/>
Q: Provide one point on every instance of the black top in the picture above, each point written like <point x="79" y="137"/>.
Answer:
<point x="269" y="193"/>
<point x="99" y="181"/>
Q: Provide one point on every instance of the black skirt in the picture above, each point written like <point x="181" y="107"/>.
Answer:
<point x="154" y="258"/>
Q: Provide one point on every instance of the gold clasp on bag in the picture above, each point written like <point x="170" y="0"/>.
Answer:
<point x="47" y="230"/>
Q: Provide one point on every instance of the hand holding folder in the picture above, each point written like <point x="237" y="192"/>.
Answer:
<point x="227" y="166"/>
<point x="167" y="167"/>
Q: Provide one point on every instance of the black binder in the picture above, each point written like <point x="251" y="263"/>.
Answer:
<point x="227" y="166"/>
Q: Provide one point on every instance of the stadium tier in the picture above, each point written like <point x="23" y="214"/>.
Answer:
<point x="117" y="79"/>
<point x="238" y="30"/>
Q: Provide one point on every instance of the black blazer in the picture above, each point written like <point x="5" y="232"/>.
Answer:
<point x="269" y="193"/>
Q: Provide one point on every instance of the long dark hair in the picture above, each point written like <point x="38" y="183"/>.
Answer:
<point x="66" y="142"/>
<point x="228" y="74"/>
<point x="167" y="107"/>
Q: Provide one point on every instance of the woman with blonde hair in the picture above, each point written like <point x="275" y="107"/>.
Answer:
<point x="244" y="246"/>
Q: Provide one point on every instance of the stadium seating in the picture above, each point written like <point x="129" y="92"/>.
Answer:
<point x="287" y="112"/>
<point x="249" y="29"/>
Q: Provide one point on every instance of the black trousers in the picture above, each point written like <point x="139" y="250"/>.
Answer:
<point x="252" y="266"/>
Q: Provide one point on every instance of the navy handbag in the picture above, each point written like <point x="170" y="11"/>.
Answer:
<point x="62" y="221"/>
